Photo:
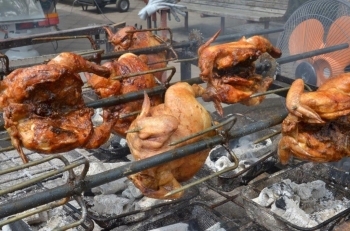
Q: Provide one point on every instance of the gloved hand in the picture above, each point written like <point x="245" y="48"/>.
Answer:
<point x="155" y="5"/>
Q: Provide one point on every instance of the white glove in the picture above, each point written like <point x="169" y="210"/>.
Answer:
<point x="155" y="5"/>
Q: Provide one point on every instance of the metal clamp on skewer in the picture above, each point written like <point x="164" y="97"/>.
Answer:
<point x="72" y="179"/>
<point x="224" y="133"/>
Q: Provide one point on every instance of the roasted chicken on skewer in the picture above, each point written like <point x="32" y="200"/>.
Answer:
<point x="229" y="70"/>
<point x="106" y="87"/>
<point x="125" y="39"/>
<point x="43" y="107"/>
<point x="318" y="124"/>
<point x="156" y="127"/>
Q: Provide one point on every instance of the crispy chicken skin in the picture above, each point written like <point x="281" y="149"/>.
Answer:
<point x="128" y="63"/>
<point x="123" y="40"/>
<point x="44" y="110"/>
<point x="229" y="70"/>
<point x="179" y="116"/>
<point x="317" y="126"/>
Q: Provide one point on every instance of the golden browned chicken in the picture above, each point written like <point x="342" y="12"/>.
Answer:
<point x="317" y="126"/>
<point x="229" y="70"/>
<point x="105" y="87"/>
<point x="125" y="39"/>
<point x="44" y="110"/>
<point x="179" y="116"/>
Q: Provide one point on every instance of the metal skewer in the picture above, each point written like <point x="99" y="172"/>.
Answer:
<point x="41" y="198"/>
<point x="236" y="161"/>
<point x="267" y="137"/>
<point x="227" y="121"/>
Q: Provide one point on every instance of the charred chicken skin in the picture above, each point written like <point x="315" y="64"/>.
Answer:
<point x="106" y="87"/>
<point x="125" y="39"/>
<point x="229" y="70"/>
<point x="43" y="107"/>
<point x="156" y="127"/>
<point x="317" y="126"/>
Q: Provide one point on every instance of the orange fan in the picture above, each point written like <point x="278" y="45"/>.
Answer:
<point x="334" y="63"/>
<point x="307" y="36"/>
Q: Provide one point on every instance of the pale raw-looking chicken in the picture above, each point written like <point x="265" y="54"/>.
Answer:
<point x="43" y="107"/>
<point x="156" y="127"/>
<point x="229" y="70"/>
<point x="317" y="127"/>
<point x="124" y="40"/>
<point x="128" y="63"/>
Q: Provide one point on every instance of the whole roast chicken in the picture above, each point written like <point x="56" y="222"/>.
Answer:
<point x="128" y="63"/>
<point x="229" y="70"/>
<point x="128" y="38"/>
<point x="317" y="127"/>
<point x="156" y="127"/>
<point x="43" y="107"/>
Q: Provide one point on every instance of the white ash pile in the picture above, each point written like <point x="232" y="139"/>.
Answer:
<point x="305" y="205"/>
<point x="116" y="197"/>
<point x="246" y="151"/>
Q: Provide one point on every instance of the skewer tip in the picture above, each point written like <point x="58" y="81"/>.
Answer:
<point x="137" y="129"/>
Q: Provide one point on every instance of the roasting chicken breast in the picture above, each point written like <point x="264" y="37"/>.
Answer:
<point x="43" y="107"/>
<point x="156" y="127"/>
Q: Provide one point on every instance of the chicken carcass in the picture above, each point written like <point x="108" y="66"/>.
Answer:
<point x="125" y="39"/>
<point x="156" y="127"/>
<point x="229" y="70"/>
<point x="43" y="107"/>
<point x="128" y="63"/>
<point x="317" y="126"/>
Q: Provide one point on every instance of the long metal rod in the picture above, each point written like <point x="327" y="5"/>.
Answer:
<point x="230" y="37"/>
<point x="310" y="54"/>
<point x="115" y="100"/>
<point x="27" y="40"/>
<point x="78" y="187"/>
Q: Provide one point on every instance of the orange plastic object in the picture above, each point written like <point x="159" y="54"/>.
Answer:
<point x="307" y="36"/>
<point x="325" y="68"/>
<point x="50" y="20"/>
<point x="339" y="33"/>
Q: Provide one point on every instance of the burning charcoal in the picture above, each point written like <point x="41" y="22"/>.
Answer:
<point x="305" y="205"/>
<point x="280" y="203"/>
<point x="132" y="192"/>
<point x="109" y="204"/>
<point x="222" y="162"/>
<point x="265" y="198"/>
<point x="293" y="213"/>
<point x="217" y="152"/>
<point x="37" y="218"/>
<point x="173" y="227"/>
<point x="17" y="225"/>
<point x="269" y="194"/>
<point x="110" y="187"/>
<point x="147" y="202"/>
<point x="193" y="225"/>
<point x="216" y="227"/>
<point x="115" y="143"/>
<point x="58" y="218"/>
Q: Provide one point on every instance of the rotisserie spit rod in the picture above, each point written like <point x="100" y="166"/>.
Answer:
<point x="76" y="188"/>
